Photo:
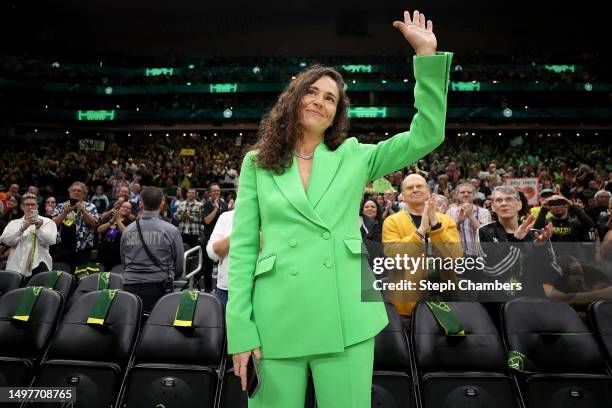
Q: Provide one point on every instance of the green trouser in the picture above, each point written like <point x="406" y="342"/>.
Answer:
<point x="341" y="380"/>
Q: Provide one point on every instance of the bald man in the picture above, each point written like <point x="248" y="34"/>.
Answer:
<point x="418" y="224"/>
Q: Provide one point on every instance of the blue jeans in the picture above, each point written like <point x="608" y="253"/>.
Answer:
<point x="221" y="294"/>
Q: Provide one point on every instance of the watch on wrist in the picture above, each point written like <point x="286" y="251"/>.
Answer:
<point x="435" y="227"/>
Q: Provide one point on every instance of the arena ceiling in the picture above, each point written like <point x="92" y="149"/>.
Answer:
<point x="183" y="28"/>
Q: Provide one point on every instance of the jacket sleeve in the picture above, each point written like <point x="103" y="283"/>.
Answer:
<point x="12" y="233"/>
<point x="219" y="232"/>
<point x="47" y="233"/>
<point x="446" y="240"/>
<point x="427" y="127"/>
<point x="242" y="334"/>
<point x="391" y="233"/>
<point x="585" y="222"/>
<point x="499" y="257"/>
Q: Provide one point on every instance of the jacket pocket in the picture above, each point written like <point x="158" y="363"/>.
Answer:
<point x="265" y="264"/>
<point x="353" y="245"/>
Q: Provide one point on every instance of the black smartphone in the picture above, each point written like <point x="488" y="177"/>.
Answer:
<point x="73" y="202"/>
<point x="252" y="377"/>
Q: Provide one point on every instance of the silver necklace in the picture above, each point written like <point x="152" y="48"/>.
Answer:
<point x="306" y="156"/>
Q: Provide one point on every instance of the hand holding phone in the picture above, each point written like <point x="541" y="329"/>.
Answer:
<point x="252" y="377"/>
<point x="245" y="367"/>
<point x="33" y="215"/>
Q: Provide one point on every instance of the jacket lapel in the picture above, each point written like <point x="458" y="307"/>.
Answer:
<point x="290" y="184"/>
<point x="324" y="167"/>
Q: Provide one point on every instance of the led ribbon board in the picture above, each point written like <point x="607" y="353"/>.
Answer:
<point x="96" y="115"/>
<point x="368" y="112"/>
<point x="159" y="71"/>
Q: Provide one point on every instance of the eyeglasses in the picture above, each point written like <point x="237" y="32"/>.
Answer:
<point x="500" y="200"/>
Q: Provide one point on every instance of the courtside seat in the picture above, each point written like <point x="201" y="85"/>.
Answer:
<point x="461" y="371"/>
<point x="178" y="366"/>
<point x="10" y="280"/>
<point x="93" y="358"/>
<point x="23" y="344"/>
<point x="600" y="316"/>
<point x="392" y="384"/>
<point x="64" y="284"/>
<point x="90" y="284"/>
<point x="568" y="367"/>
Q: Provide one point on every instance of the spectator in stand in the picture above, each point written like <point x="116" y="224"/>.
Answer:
<point x="116" y="182"/>
<point x="29" y="238"/>
<point x="602" y="198"/>
<point x="181" y="196"/>
<point x="419" y="224"/>
<point x="109" y="249"/>
<point x="100" y="200"/>
<point x="391" y="205"/>
<point x="468" y="217"/>
<point x="76" y="220"/>
<point x="579" y="277"/>
<point x="50" y="204"/>
<point x="570" y="225"/>
<point x="217" y="249"/>
<point x="12" y="209"/>
<point x="34" y="190"/>
<point x="213" y="208"/>
<point x="123" y="196"/>
<point x="371" y="221"/>
<point x="604" y="223"/>
<point x="443" y="187"/>
<point x="189" y="216"/>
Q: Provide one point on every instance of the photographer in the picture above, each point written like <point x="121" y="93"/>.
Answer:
<point x="29" y="238"/>
<point x="76" y="220"/>
<point x="570" y="223"/>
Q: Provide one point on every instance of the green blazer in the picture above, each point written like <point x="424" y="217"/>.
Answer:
<point x="301" y="294"/>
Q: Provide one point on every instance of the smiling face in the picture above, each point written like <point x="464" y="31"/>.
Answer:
<point x="415" y="190"/>
<point x="370" y="209"/>
<point x="125" y="209"/>
<point x="319" y="105"/>
<point x="466" y="194"/>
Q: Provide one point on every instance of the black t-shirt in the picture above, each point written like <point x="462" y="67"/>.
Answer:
<point x="209" y="206"/>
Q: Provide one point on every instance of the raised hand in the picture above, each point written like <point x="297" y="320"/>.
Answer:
<point x="543" y="235"/>
<point x="524" y="228"/>
<point x="418" y="33"/>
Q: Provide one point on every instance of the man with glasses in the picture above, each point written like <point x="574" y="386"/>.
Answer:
<point x="76" y="220"/>
<point x="29" y="238"/>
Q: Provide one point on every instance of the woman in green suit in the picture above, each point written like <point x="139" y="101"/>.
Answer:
<point x="296" y="304"/>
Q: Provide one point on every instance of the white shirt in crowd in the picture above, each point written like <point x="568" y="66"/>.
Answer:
<point x="466" y="231"/>
<point x="21" y="245"/>
<point x="222" y="229"/>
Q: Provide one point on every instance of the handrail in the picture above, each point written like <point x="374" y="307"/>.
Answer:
<point x="190" y="277"/>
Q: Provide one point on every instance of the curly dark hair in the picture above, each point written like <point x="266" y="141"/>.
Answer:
<point x="280" y="129"/>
